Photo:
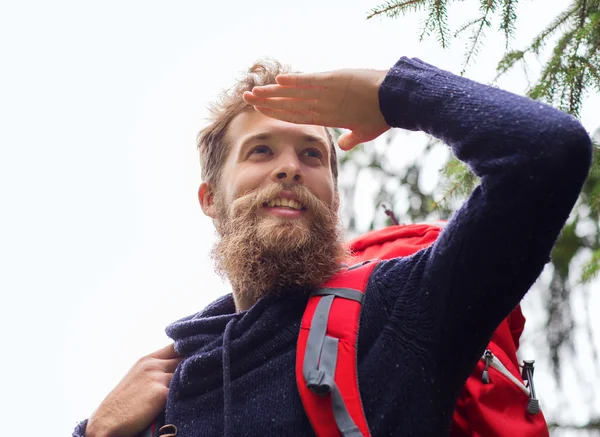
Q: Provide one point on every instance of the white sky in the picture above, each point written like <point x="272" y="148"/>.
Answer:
<point x="102" y="242"/>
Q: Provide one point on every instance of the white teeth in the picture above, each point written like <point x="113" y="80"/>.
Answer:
<point x="289" y="203"/>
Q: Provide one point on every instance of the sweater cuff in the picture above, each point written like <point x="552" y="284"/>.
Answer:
<point x="409" y="90"/>
<point x="80" y="429"/>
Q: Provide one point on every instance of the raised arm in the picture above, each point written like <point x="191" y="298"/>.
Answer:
<point x="532" y="160"/>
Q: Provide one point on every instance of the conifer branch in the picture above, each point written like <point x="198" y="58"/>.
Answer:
<point x="393" y="9"/>
<point x="509" y="16"/>
<point x="561" y="19"/>
<point x="511" y="58"/>
<point x="465" y="26"/>
<point x="593" y="71"/>
<point x="447" y="194"/>
<point x="575" y="84"/>
<point x="462" y="181"/>
<point x="488" y="5"/>
<point x="551" y="81"/>
<point x="425" y="30"/>
<point x="440" y="14"/>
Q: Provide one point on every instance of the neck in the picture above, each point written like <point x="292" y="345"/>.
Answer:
<point x="243" y="301"/>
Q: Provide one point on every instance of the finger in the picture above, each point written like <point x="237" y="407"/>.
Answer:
<point x="165" y="353"/>
<point x="287" y="91"/>
<point x="349" y="140"/>
<point x="291" y="117"/>
<point x="303" y="79"/>
<point x="164" y="379"/>
<point x="170" y="365"/>
<point x="283" y="104"/>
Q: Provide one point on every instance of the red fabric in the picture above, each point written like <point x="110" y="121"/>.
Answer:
<point x="497" y="409"/>
<point x="342" y="324"/>
<point x="394" y="241"/>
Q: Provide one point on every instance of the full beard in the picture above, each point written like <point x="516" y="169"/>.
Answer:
<point x="264" y="254"/>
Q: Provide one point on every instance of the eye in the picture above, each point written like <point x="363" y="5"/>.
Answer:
<point x="260" y="150"/>
<point x="313" y="153"/>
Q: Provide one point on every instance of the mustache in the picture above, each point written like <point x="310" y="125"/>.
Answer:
<point x="253" y="200"/>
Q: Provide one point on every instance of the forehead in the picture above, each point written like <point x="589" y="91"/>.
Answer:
<point x="251" y="123"/>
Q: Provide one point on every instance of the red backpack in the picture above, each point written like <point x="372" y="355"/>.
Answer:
<point x="495" y="401"/>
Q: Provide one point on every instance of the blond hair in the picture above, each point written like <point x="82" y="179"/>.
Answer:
<point x="212" y="144"/>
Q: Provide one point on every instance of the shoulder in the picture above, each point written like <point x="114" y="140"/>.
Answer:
<point x="395" y="305"/>
<point x="389" y="273"/>
<point x="393" y="280"/>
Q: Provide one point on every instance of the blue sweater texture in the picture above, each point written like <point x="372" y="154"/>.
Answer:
<point x="427" y="318"/>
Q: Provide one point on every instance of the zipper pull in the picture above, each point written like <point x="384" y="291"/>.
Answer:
<point x="533" y="406"/>
<point x="488" y="356"/>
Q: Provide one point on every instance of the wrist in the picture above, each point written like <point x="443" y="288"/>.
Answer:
<point x="96" y="429"/>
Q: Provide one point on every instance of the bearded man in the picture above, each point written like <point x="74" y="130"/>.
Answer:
<point x="269" y="171"/>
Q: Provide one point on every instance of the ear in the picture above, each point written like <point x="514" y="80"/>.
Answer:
<point x="206" y="199"/>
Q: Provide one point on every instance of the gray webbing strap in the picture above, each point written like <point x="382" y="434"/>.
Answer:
<point x="329" y="354"/>
<point x="346" y="293"/>
<point x="342" y="418"/>
<point x="310" y="367"/>
<point x="318" y="368"/>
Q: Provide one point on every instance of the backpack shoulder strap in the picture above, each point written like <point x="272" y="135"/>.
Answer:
<point x="326" y="368"/>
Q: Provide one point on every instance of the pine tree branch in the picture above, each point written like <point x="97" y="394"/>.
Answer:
<point x="509" y="16"/>
<point x="465" y="26"/>
<point x="582" y="12"/>
<point x="478" y="35"/>
<point x="591" y="268"/>
<point x="511" y="58"/>
<point x="441" y="18"/>
<point x="592" y="70"/>
<point x="462" y="181"/>
<point x="550" y="77"/>
<point x="447" y="194"/>
<point x="561" y="19"/>
<point x="576" y="86"/>
<point x="392" y="9"/>
<point x="426" y="28"/>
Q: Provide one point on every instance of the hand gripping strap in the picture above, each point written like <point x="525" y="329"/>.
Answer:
<point x="326" y="372"/>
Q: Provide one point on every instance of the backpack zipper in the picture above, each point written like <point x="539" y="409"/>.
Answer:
<point x="487" y="358"/>
<point x="533" y="406"/>
<point x="492" y="361"/>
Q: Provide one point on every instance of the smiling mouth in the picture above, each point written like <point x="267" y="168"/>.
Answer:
<point x="281" y="202"/>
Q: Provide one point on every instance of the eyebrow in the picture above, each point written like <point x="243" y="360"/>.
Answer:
<point x="266" y="136"/>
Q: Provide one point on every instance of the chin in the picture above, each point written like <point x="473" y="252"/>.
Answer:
<point x="280" y="234"/>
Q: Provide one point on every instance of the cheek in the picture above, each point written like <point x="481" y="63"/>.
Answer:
<point x="324" y="189"/>
<point x="243" y="180"/>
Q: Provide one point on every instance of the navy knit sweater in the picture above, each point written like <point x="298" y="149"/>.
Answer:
<point x="426" y="318"/>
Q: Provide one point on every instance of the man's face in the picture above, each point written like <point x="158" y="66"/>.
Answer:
<point x="265" y="151"/>
<point x="275" y="207"/>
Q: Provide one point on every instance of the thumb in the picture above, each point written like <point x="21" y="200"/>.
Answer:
<point x="349" y="140"/>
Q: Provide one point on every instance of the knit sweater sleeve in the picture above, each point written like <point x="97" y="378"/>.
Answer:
<point x="532" y="160"/>
<point x="79" y="430"/>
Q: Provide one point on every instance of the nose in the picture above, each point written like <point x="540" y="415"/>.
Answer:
<point x="288" y="169"/>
